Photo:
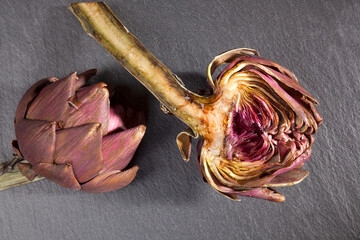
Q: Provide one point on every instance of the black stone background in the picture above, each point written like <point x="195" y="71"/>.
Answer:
<point x="317" y="40"/>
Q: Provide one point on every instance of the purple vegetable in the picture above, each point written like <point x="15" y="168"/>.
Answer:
<point x="68" y="134"/>
<point x="257" y="126"/>
<point x="270" y="120"/>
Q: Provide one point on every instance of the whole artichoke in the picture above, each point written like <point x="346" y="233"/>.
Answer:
<point x="69" y="134"/>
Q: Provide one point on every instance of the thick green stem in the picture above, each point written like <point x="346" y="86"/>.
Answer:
<point x="100" y="22"/>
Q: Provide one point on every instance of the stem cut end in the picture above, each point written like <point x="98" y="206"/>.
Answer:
<point x="14" y="178"/>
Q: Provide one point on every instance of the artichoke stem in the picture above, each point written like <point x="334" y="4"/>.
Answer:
<point x="10" y="176"/>
<point x="100" y="23"/>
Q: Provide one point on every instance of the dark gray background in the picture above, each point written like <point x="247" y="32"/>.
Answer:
<point x="317" y="40"/>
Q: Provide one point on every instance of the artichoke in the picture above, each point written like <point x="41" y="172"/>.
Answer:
<point x="269" y="121"/>
<point x="69" y="134"/>
<point x="257" y="124"/>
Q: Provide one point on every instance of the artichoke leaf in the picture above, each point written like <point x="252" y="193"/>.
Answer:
<point x="183" y="141"/>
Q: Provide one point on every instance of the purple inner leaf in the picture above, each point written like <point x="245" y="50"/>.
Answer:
<point x="248" y="139"/>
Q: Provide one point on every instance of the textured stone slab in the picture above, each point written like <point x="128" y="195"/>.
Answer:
<point x="317" y="40"/>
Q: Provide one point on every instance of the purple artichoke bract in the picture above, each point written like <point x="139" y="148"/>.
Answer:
<point x="69" y="134"/>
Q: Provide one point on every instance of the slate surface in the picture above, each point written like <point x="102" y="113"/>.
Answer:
<point x="317" y="40"/>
